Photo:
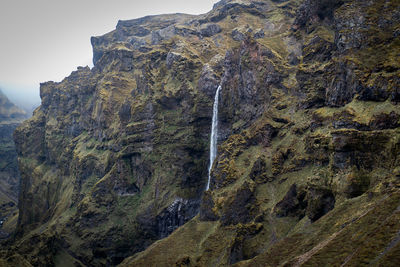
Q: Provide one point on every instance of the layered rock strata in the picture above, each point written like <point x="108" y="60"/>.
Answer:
<point x="307" y="171"/>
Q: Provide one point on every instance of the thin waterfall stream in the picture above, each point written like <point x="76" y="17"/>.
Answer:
<point x="214" y="136"/>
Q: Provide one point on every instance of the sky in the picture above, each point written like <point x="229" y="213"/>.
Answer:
<point x="45" y="40"/>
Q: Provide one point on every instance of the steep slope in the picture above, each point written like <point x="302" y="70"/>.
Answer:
<point x="10" y="117"/>
<point x="307" y="170"/>
<point x="116" y="156"/>
<point x="314" y="180"/>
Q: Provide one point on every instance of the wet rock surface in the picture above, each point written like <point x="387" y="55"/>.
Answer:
<point x="178" y="213"/>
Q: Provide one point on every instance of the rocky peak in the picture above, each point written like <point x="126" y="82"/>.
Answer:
<point x="140" y="34"/>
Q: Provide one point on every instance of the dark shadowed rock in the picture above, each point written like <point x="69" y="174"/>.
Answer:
<point x="318" y="49"/>
<point x="259" y="34"/>
<point x="171" y="58"/>
<point x="206" y="208"/>
<point x="311" y="201"/>
<point x="238" y="35"/>
<point x="177" y="213"/>
<point x="293" y="204"/>
<point x="241" y="208"/>
<point x="208" y="81"/>
<point x="209" y="30"/>
<point x="319" y="203"/>
<point x="313" y="11"/>
<point x="258" y="170"/>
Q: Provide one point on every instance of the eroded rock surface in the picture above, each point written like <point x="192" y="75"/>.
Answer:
<point x="116" y="156"/>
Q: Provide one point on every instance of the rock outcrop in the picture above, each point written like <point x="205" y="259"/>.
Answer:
<point x="307" y="167"/>
<point x="308" y="162"/>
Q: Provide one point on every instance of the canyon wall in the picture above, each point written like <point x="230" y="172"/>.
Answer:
<point x="307" y="169"/>
<point x="10" y="117"/>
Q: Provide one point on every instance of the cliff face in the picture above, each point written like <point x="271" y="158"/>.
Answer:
<point x="309" y="172"/>
<point x="307" y="168"/>
<point x="10" y="117"/>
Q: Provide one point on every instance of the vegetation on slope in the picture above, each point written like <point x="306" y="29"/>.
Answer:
<point x="307" y="171"/>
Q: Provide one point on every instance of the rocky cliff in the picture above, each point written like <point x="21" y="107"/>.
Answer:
<point x="307" y="171"/>
<point x="10" y="117"/>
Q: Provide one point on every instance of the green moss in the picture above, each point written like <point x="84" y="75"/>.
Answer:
<point x="166" y="134"/>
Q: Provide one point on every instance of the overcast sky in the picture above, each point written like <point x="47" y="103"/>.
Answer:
<point x="44" y="40"/>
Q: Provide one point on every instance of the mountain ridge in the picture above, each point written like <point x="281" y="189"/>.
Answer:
<point x="116" y="157"/>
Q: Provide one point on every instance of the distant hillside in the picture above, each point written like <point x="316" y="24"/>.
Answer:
<point x="9" y="111"/>
<point x="10" y="117"/>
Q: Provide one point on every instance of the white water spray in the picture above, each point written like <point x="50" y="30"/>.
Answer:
<point x="214" y="136"/>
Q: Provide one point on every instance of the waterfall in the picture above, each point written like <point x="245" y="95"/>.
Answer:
<point x="214" y="136"/>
